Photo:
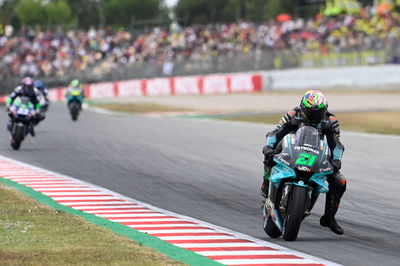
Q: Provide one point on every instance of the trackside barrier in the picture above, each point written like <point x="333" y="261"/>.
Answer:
<point x="193" y="85"/>
<point x="355" y="77"/>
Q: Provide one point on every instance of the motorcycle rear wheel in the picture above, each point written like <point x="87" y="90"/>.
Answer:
<point x="74" y="113"/>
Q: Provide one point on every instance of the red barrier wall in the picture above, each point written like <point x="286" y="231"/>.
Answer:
<point x="193" y="85"/>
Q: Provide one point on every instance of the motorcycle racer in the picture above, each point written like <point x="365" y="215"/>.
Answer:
<point x="75" y="88"/>
<point x="312" y="111"/>
<point x="43" y="90"/>
<point x="43" y="100"/>
<point x="26" y="89"/>
<point x="75" y="95"/>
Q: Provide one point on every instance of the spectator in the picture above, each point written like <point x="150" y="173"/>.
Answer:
<point x="48" y="53"/>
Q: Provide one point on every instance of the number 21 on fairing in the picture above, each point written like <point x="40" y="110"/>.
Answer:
<point x="306" y="159"/>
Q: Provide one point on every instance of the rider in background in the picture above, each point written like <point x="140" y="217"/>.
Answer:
<point x="26" y="89"/>
<point x="43" y="100"/>
<point x="313" y="111"/>
<point x="44" y="91"/>
<point x="75" y="90"/>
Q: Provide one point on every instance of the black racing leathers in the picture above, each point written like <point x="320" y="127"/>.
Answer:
<point x="33" y="98"/>
<point x="328" y="127"/>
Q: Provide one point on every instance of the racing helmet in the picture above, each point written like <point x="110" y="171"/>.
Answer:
<point x="27" y="86"/>
<point x="313" y="106"/>
<point x="75" y="84"/>
<point x="39" y="84"/>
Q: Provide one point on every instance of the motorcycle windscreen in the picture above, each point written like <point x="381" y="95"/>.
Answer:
<point x="307" y="136"/>
<point x="312" y="155"/>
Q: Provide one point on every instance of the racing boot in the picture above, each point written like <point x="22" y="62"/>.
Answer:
<point x="31" y="131"/>
<point x="9" y="125"/>
<point x="264" y="190"/>
<point x="265" y="185"/>
<point x="328" y="219"/>
<point x="331" y="223"/>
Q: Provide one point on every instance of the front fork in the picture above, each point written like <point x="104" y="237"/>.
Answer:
<point x="313" y="196"/>
<point x="280" y="197"/>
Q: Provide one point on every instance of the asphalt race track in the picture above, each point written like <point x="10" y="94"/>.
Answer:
<point x="212" y="170"/>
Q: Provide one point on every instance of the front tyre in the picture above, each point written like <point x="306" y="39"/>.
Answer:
<point x="295" y="212"/>
<point x="271" y="229"/>
<point x="17" y="137"/>
<point x="15" y="144"/>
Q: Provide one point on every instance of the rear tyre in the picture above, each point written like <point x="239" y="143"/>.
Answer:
<point x="295" y="213"/>
<point x="271" y="229"/>
<point x="74" y="110"/>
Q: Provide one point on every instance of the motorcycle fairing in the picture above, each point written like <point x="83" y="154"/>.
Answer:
<point x="320" y="179"/>
<point x="280" y="172"/>
<point x="270" y="210"/>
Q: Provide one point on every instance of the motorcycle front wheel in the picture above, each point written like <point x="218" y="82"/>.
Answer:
<point x="17" y="137"/>
<point x="295" y="212"/>
<point x="271" y="229"/>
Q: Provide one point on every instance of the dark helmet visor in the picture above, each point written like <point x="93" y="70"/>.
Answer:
<point x="314" y="115"/>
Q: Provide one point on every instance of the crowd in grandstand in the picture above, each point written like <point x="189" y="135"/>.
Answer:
<point x="48" y="53"/>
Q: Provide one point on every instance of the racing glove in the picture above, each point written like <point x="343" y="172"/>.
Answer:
<point x="268" y="152"/>
<point x="336" y="165"/>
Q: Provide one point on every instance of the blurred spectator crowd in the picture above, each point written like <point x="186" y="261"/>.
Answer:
<point x="58" y="53"/>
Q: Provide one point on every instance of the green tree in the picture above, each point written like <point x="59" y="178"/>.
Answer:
<point x="7" y="11"/>
<point x="258" y="10"/>
<point x="130" y="12"/>
<point x="88" y="12"/>
<point x="205" y="11"/>
<point x="40" y="12"/>
<point x="58" y="12"/>
<point x="276" y="7"/>
<point x="31" y="12"/>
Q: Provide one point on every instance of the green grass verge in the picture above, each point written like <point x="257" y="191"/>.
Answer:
<point x="372" y="122"/>
<point x="84" y="256"/>
<point x="383" y="122"/>
<point x="138" y="107"/>
<point x="33" y="234"/>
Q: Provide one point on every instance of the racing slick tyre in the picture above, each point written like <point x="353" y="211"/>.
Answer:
<point x="271" y="229"/>
<point x="17" y="138"/>
<point x="295" y="213"/>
